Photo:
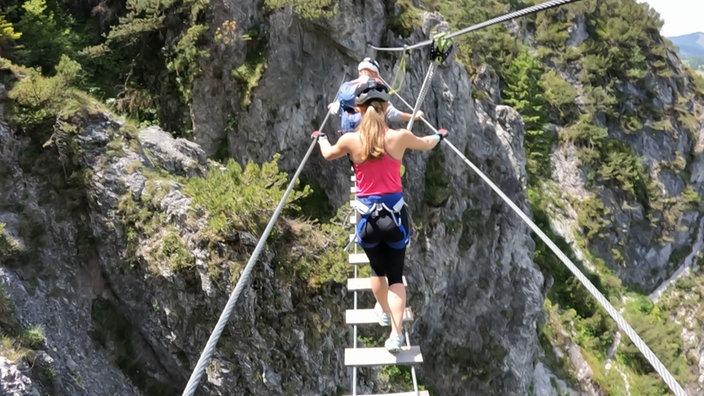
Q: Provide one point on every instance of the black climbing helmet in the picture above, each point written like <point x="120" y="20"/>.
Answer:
<point x="373" y="88"/>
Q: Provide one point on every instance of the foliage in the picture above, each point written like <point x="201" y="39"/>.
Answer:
<point x="593" y="217"/>
<point x="241" y="199"/>
<point x="142" y="217"/>
<point x="149" y="56"/>
<point x="313" y="251"/>
<point x="8" y="35"/>
<point x="306" y="9"/>
<point x="249" y="74"/>
<point x="237" y="199"/>
<point x="174" y="251"/>
<point x="567" y="291"/>
<point x="43" y="33"/>
<point x="661" y="334"/>
<point x="621" y="168"/>
<point x="5" y="243"/>
<point x="183" y="59"/>
<point x="494" y="45"/>
<point x="404" y="16"/>
<point x="523" y="90"/>
<point x="560" y="96"/>
<point x="38" y="100"/>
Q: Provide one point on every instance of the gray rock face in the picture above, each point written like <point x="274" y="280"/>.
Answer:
<point x="13" y="382"/>
<point x="462" y="295"/>
<point x="477" y="295"/>
<point x="53" y="287"/>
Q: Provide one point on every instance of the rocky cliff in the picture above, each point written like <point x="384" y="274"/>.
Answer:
<point x="93" y="216"/>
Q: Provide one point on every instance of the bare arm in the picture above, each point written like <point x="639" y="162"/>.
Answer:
<point x="405" y="117"/>
<point x="395" y="115"/>
<point x="331" y="152"/>
<point x="414" y="142"/>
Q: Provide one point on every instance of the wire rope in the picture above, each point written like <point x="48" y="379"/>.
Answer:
<point x="493" y="21"/>
<point x="209" y="349"/>
<point x="620" y="321"/>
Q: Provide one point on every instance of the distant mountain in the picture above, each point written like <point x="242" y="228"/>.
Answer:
<point x="689" y="44"/>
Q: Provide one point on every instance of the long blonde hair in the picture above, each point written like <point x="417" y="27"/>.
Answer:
<point x="372" y="129"/>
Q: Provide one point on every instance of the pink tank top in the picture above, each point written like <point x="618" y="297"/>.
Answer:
<point x="378" y="176"/>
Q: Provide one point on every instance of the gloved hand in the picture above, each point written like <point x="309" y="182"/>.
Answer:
<point x="334" y="107"/>
<point x="442" y="133"/>
<point x="317" y="135"/>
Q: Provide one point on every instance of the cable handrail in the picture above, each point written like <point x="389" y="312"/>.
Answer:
<point x="209" y="349"/>
<point x="493" y="21"/>
<point x="615" y="315"/>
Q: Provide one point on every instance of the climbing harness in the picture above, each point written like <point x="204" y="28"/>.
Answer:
<point x="371" y="206"/>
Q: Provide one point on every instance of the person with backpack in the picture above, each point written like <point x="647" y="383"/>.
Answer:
<point x="344" y="101"/>
<point x="383" y="231"/>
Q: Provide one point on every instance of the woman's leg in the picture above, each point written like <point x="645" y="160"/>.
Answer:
<point x="397" y="290"/>
<point x="380" y="287"/>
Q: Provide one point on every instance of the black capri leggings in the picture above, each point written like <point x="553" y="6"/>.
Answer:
<point x="385" y="261"/>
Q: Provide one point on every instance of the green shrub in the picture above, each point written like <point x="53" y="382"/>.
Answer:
<point x="241" y="199"/>
<point x="592" y="217"/>
<point x="5" y="244"/>
<point x="33" y="338"/>
<point x="249" y="74"/>
<point x="46" y="34"/>
<point x="585" y="133"/>
<point x="560" y="95"/>
<point x="306" y="9"/>
<point x="39" y="100"/>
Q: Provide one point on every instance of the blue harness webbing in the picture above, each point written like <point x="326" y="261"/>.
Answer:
<point x="392" y="203"/>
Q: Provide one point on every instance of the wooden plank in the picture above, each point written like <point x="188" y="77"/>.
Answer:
<point x="358" y="258"/>
<point x="420" y="393"/>
<point x="353" y="178"/>
<point x="353" y="219"/>
<point x="381" y="357"/>
<point x="353" y="190"/>
<point x="363" y="283"/>
<point x="368" y="316"/>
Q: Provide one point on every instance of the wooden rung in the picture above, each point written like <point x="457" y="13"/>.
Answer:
<point x="358" y="258"/>
<point x="363" y="283"/>
<point x="353" y="190"/>
<point x="353" y="219"/>
<point x="353" y="178"/>
<point x="382" y="357"/>
<point x="420" y="393"/>
<point x="368" y="316"/>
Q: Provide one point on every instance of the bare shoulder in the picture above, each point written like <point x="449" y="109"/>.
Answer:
<point x="398" y="133"/>
<point x="346" y="137"/>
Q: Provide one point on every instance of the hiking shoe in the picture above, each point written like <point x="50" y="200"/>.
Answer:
<point x="384" y="318"/>
<point x="394" y="343"/>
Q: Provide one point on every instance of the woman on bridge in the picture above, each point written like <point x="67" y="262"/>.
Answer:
<point x="383" y="232"/>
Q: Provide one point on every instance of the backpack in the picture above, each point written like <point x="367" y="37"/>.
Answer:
<point x="350" y="118"/>
<point x="346" y="95"/>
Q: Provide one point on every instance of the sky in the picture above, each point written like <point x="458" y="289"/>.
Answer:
<point x="679" y="16"/>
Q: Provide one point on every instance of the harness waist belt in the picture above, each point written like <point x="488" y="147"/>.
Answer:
<point x="391" y="202"/>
